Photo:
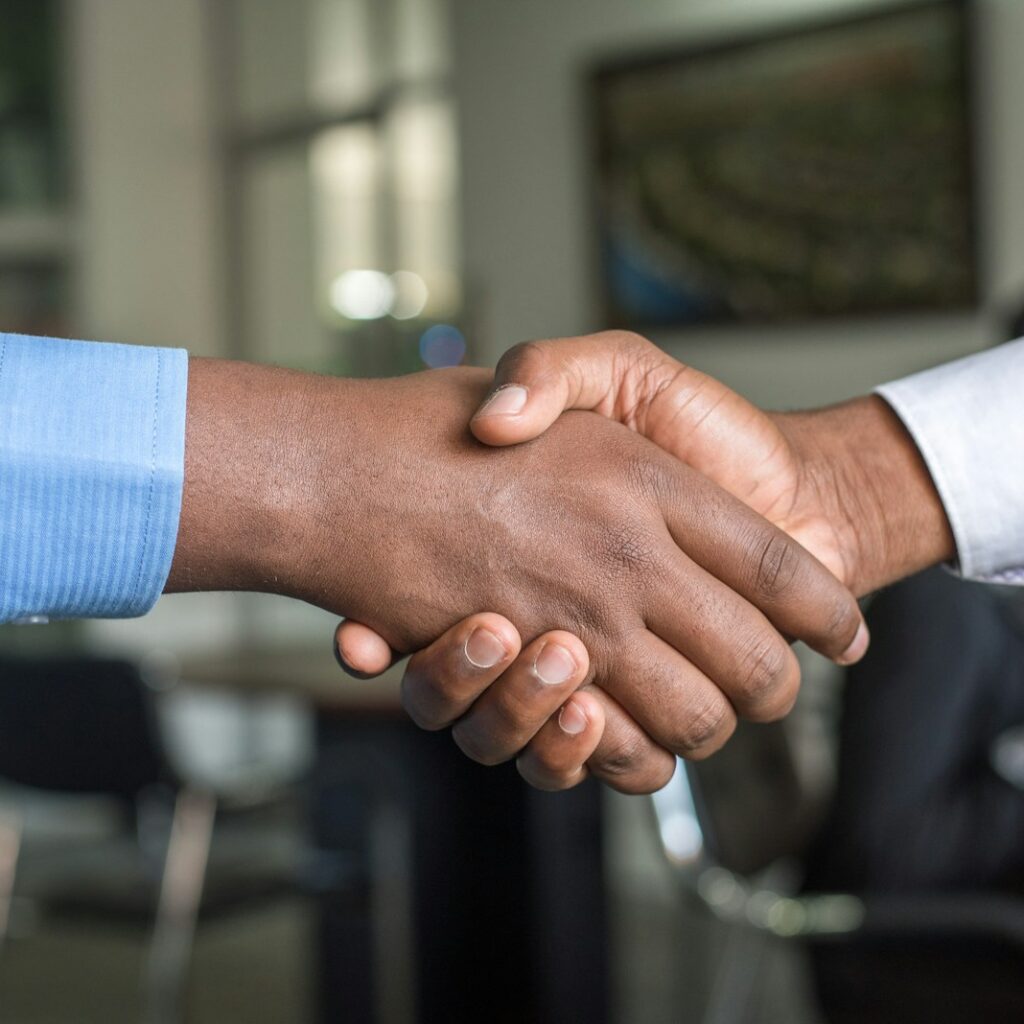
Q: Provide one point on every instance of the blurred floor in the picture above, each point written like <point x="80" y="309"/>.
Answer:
<point x="664" y="961"/>
<point x="665" y="951"/>
<point x="256" y="969"/>
<point x="259" y="969"/>
<point x="260" y="966"/>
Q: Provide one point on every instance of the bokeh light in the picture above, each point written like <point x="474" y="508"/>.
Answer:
<point x="363" y="294"/>
<point x="410" y="295"/>
<point x="442" y="345"/>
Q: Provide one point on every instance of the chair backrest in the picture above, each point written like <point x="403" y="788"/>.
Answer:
<point x="753" y="802"/>
<point x="78" y="725"/>
<point x="742" y="809"/>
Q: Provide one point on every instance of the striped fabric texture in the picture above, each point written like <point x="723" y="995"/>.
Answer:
<point x="92" y="447"/>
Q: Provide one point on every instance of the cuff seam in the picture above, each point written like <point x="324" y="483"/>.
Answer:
<point x="144" y="554"/>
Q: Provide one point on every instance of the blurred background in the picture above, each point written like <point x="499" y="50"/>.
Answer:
<point x="200" y="819"/>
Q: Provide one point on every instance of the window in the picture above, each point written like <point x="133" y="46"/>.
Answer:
<point x="341" y="160"/>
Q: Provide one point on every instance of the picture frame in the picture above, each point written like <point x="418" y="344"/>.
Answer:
<point x="820" y="171"/>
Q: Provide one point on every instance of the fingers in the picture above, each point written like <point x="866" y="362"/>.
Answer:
<point x="360" y="651"/>
<point x="797" y="594"/>
<point x="531" y="690"/>
<point x="556" y="758"/>
<point x="528" y="694"/>
<point x="593" y="735"/>
<point x="525" y="705"/>
<point x="726" y="638"/>
<point x="443" y="680"/>
<point x="626" y="758"/>
<point x="673" y="703"/>
<point x="534" y="383"/>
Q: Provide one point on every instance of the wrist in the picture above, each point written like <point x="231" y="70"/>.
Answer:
<point x="863" y="469"/>
<point x="253" y="474"/>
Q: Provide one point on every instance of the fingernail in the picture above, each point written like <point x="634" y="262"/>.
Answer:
<point x="571" y="719"/>
<point x="856" y="649"/>
<point x="484" y="649"/>
<point x="554" y="664"/>
<point x="506" y="401"/>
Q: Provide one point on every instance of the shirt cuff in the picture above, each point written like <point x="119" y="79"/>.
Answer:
<point x="967" y="419"/>
<point x="92" y="449"/>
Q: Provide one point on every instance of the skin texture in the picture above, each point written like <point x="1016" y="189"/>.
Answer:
<point x="371" y="499"/>
<point x="847" y="482"/>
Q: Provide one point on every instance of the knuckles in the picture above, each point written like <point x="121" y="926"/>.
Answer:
<point x="645" y="475"/>
<point x="542" y="766"/>
<point x="769" y="680"/>
<point x="643" y="780"/>
<point x="707" y="729"/>
<point x="424" y="702"/>
<point x="534" y="356"/>
<point x="630" y="341"/>
<point x="630" y="551"/>
<point x="526" y="358"/>
<point x="777" y="566"/>
<point x="548" y="777"/>
<point x="474" y="745"/>
<point x="631" y="764"/>
<point x="843" y="622"/>
<point x="624" y="757"/>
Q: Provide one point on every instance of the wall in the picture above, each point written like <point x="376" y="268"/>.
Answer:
<point x="148" y="229"/>
<point x="147" y="253"/>
<point x="520" y="68"/>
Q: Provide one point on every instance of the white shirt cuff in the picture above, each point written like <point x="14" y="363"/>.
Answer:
<point x="967" y="418"/>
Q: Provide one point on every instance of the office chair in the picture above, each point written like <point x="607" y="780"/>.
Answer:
<point x="939" y="943"/>
<point x="87" y="726"/>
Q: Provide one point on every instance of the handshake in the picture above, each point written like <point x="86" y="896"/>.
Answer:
<point x="599" y="556"/>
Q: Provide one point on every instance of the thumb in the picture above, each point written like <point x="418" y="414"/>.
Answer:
<point x="360" y="651"/>
<point x="534" y="383"/>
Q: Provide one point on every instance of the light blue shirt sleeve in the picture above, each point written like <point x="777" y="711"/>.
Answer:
<point x="967" y="419"/>
<point x="92" y="449"/>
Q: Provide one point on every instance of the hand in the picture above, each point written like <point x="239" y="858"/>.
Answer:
<point x="369" y="498"/>
<point x="847" y="482"/>
<point x="826" y="477"/>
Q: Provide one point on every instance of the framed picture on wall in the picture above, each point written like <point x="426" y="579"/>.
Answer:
<point x="821" y="172"/>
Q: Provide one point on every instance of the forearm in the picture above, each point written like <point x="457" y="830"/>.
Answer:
<point x="876" y="488"/>
<point x="253" y="470"/>
<point x="302" y="485"/>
